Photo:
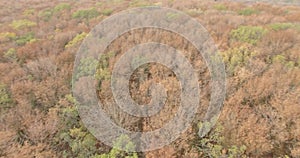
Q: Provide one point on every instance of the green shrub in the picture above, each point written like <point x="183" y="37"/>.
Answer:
<point x="236" y="57"/>
<point x="76" y="39"/>
<point x="5" y="99"/>
<point x="124" y="141"/>
<point x="62" y="6"/>
<point x="248" y="34"/>
<point x="194" y="12"/>
<point x="281" y="26"/>
<point x="283" y="60"/>
<point x="279" y="58"/>
<point x="103" y="72"/>
<point x="70" y="117"/>
<point x="46" y="14"/>
<point x="172" y="16"/>
<point x="220" y="7"/>
<point x="29" y="12"/>
<point x="297" y="27"/>
<point x="87" y="67"/>
<point x="86" y="14"/>
<point x="10" y="54"/>
<point x="27" y="38"/>
<point x="80" y="141"/>
<point x="8" y="35"/>
<point x="106" y="12"/>
<point x="73" y="136"/>
<point x="139" y="3"/>
<point x="20" y="24"/>
<point x="212" y="145"/>
<point x="70" y="98"/>
<point x="290" y="64"/>
<point x="248" y="11"/>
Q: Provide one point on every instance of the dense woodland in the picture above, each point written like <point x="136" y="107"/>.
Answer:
<point x="259" y="43"/>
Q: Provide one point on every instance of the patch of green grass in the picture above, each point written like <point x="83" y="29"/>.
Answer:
<point x="248" y="11"/>
<point x="248" y="34"/>
<point x="62" y="6"/>
<point x="76" y="39"/>
<point x="86" y="14"/>
<point x="220" y="7"/>
<point x="281" y="26"/>
<point x="20" y="24"/>
<point x="27" y="38"/>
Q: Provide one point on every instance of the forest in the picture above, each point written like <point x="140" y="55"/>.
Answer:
<point x="259" y="43"/>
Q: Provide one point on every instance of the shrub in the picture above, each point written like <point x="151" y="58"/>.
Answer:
<point x="279" y="58"/>
<point x="28" y="12"/>
<point x="172" y="15"/>
<point x="86" y="14"/>
<point x="236" y="57"/>
<point x="73" y="136"/>
<point x="106" y="12"/>
<point x="28" y="37"/>
<point x="20" y="24"/>
<point x="103" y="72"/>
<point x="248" y="11"/>
<point x="281" y="26"/>
<point x="290" y="64"/>
<point x="46" y="15"/>
<point x="123" y="140"/>
<point x="7" y="36"/>
<point x="82" y="143"/>
<point x="248" y="34"/>
<point x="212" y="145"/>
<point x="5" y="99"/>
<point x="86" y="67"/>
<point x="139" y="3"/>
<point x="220" y="7"/>
<point x="282" y="59"/>
<point x="194" y="12"/>
<point x="297" y="27"/>
<point x="62" y="6"/>
<point x="11" y="54"/>
<point x="76" y="39"/>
